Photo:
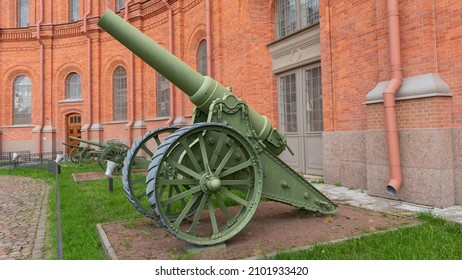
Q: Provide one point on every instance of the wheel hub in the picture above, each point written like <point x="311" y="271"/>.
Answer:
<point x="210" y="184"/>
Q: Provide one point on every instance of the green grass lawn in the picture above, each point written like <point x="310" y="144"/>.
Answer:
<point x="434" y="239"/>
<point x="83" y="205"/>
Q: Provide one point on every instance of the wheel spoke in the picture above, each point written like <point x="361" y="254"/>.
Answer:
<point x="144" y="148"/>
<point x="217" y="150"/>
<point x="183" y="169"/>
<point x="169" y="206"/>
<point x="213" y="219"/>
<point x="179" y="182"/>
<point x="198" y="214"/>
<point x="223" y="208"/>
<point x="191" y="155"/>
<point x="205" y="158"/>
<point x="235" y="197"/>
<point x="186" y="210"/>
<point x="245" y="182"/>
<point x="141" y="195"/>
<point x="182" y="195"/>
<point x="236" y="168"/>
<point x="177" y="189"/>
<point x="225" y="160"/>
<point x="156" y="138"/>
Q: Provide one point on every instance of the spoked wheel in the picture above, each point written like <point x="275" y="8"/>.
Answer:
<point x="74" y="155"/>
<point x="205" y="183"/>
<point x="85" y="155"/>
<point x="116" y="153"/>
<point x="136" y="165"/>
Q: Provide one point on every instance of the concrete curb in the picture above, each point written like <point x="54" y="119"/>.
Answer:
<point x="107" y="247"/>
<point x="272" y="254"/>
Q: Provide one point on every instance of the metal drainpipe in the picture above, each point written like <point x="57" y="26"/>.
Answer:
<point x="132" y="78"/>
<point x="90" y="97"/>
<point x="170" y="46"/>
<point x="42" y="79"/>
<point x="389" y="98"/>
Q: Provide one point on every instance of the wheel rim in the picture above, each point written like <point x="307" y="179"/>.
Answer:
<point x="208" y="177"/>
<point x="85" y="155"/>
<point x="136" y="168"/>
<point x="116" y="153"/>
<point x="73" y="155"/>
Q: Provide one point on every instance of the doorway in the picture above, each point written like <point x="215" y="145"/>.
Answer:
<point x="74" y="128"/>
<point x="300" y="118"/>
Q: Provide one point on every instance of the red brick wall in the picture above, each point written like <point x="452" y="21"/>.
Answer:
<point x="354" y="54"/>
<point x="240" y="58"/>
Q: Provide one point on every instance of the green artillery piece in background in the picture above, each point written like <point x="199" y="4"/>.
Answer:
<point x="204" y="181"/>
<point x="112" y="150"/>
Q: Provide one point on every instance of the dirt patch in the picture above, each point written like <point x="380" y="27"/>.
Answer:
<point x="88" y="176"/>
<point x="274" y="227"/>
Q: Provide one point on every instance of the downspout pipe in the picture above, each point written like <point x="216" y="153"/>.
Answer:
<point x="389" y="93"/>
<point x="42" y="79"/>
<point x="171" y="118"/>
<point x="132" y="81"/>
<point x="89" y="78"/>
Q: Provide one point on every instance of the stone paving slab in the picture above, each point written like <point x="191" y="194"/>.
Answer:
<point x="360" y="198"/>
<point x="23" y="204"/>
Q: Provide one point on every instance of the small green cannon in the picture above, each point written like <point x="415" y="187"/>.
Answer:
<point x="112" y="150"/>
<point x="204" y="181"/>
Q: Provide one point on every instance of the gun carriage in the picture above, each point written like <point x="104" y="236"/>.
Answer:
<point x="203" y="182"/>
<point x="112" y="150"/>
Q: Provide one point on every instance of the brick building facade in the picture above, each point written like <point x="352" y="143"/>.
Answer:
<point x="316" y="68"/>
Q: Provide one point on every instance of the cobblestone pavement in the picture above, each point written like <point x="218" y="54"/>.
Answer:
<point x="23" y="205"/>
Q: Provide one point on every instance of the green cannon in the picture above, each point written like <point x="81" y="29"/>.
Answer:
<point x="112" y="150"/>
<point x="203" y="182"/>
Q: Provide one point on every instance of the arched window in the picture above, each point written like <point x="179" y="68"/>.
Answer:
<point x="73" y="86"/>
<point x="202" y="57"/>
<point x="73" y="10"/>
<point x="23" y="13"/>
<point x="163" y="96"/>
<point x="293" y="15"/>
<point x="119" y="4"/>
<point x="22" y="95"/>
<point x="120" y="93"/>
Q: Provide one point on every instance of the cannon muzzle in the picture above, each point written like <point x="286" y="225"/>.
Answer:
<point x="202" y="90"/>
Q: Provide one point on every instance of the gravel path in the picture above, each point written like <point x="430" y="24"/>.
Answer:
<point x="23" y="206"/>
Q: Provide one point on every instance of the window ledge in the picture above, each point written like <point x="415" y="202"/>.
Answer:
<point x="157" y="119"/>
<point x="115" y="122"/>
<point x="421" y="86"/>
<point x="70" y="100"/>
<point x="19" y="126"/>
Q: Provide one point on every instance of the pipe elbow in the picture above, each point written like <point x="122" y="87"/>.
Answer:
<point x="393" y="86"/>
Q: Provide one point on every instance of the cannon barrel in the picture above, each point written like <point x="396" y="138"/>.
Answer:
<point x="202" y="90"/>
<point x="98" y="144"/>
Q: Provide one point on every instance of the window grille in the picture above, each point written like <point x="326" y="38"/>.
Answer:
<point x="163" y="96"/>
<point x="22" y="95"/>
<point x="73" y="86"/>
<point x="73" y="10"/>
<point x="293" y="15"/>
<point x="120" y="94"/>
<point x="288" y="102"/>
<point x="314" y="119"/>
<point x="202" y="58"/>
<point x="23" y="13"/>
<point x="120" y="4"/>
